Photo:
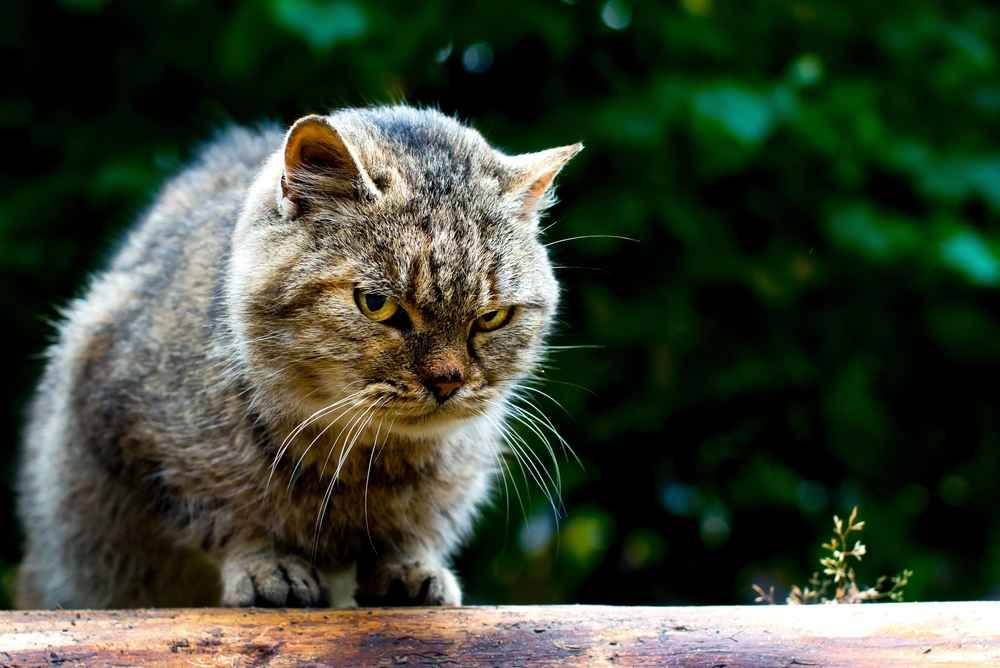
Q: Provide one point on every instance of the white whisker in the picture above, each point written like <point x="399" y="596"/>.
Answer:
<point x="318" y="415"/>
<point x="361" y="422"/>
<point x="591" y="236"/>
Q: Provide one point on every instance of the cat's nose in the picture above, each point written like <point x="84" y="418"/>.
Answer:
<point x="444" y="383"/>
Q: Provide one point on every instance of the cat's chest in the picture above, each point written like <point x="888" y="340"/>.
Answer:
<point x="378" y="498"/>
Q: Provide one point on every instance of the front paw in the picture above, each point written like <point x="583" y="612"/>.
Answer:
<point x="403" y="583"/>
<point x="271" y="581"/>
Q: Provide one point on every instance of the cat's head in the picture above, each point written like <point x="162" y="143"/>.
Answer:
<point x="388" y="259"/>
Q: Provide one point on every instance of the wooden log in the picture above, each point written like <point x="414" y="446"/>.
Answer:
<point x="904" y="634"/>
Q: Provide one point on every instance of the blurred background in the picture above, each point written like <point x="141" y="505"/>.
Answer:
<point x="810" y="319"/>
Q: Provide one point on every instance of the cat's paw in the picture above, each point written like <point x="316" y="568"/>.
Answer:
<point x="270" y="581"/>
<point x="401" y="583"/>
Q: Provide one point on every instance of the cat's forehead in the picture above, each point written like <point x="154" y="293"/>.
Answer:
<point x="442" y="232"/>
<point x="447" y="259"/>
<point x="424" y="153"/>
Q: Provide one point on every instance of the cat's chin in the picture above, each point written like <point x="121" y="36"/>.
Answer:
<point x="426" y="431"/>
<point x="433" y="426"/>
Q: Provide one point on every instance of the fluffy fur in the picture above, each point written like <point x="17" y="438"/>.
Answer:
<point x="218" y="422"/>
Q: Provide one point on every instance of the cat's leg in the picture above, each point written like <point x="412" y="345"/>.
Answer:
<point x="407" y="579"/>
<point x="255" y="573"/>
<point x="91" y="541"/>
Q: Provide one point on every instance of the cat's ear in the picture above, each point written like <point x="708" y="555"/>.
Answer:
<point x="320" y="164"/>
<point x="533" y="176"/>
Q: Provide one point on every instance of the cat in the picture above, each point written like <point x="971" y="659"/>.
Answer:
<point x="289" y="386"/>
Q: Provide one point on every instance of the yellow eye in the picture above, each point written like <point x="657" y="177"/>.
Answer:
<point x="377" y="307"/>
<point x="491" y="320"/>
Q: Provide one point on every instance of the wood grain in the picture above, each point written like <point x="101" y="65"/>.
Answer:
<point x="904" y="634"/>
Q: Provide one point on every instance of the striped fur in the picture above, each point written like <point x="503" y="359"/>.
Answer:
<point x="170" y="458"/>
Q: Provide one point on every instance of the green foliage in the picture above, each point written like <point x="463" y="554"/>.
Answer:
<point x="809" y="319"/>
<point x="838" y="582"/>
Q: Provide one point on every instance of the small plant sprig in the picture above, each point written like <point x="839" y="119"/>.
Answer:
<point x="838" y="574"/>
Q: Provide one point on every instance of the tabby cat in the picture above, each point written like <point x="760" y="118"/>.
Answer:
<point x="289" y="387"/>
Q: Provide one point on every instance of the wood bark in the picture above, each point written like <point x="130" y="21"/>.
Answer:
<point x="903" y="634"/>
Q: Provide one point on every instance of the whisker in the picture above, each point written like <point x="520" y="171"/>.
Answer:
<point x="318" y="415"/>
<point x="324" y="506"/>
<point x="318" y="436"/>
<point x="500" y="428"/>
<point x="591" y="236"/>
<point x="560" y="267"/>
<point x="346" y="450"/>
<point x="525" y="456"/>
<point x="368" y="475"/>
<point x="519" y="416"/>
<point x="531" y="411"/>
<point x="539" y="379"/>
<point x="503" y="471"/>
<point x="527" y="463"/>
<point x="547" y="228"/>
<point x="349" y="429"/>
<point x="525" y="386"/>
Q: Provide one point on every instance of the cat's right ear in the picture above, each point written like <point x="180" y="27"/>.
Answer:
<point x="532" y="177"/>
<point x="320" y="165"/>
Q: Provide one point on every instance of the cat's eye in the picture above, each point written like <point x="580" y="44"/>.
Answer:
<point x="375" y="306"/>
<point x="492" y="320"/>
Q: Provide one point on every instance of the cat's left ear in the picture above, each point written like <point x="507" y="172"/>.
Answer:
<point x="534" y="175"/>
<point x="320" y="164"/>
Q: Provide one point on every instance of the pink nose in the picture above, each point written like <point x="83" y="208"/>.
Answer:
<point x="444" y="382"/>
<point x="444" y="390"/>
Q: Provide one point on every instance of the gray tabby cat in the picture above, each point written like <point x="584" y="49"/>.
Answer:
<point x="294" y="374"/>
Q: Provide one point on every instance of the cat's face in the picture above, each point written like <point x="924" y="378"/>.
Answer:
<point x="417" y="293"/>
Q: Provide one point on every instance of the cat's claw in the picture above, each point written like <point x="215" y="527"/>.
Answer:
<point x="406" y="583"/>
<point x="269" y="581"/>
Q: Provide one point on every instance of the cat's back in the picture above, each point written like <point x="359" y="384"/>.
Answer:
<point x="157" y="303"/>
<point x="132" y="358"/>
<point x="200" y="204"/>
<point x="173" y="256"/>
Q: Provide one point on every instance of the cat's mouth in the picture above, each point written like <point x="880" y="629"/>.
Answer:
<point x="432" y="424"/>
<point x="432" y="415"/>
<point x="435" y="411"/>
<point x="423" y="416"/>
